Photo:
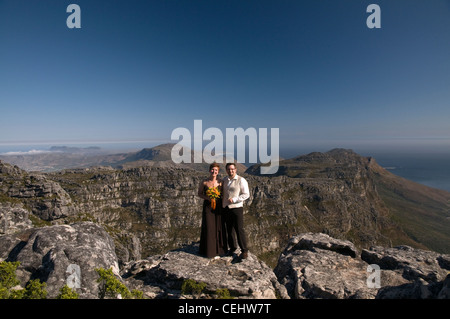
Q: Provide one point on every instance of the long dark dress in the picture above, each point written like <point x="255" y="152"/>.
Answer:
<point x="212" y="232"/>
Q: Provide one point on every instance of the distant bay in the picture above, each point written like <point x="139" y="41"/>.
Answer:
<point x="432" y="170"/>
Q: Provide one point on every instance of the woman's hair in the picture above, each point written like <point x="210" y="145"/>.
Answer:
<point x="214" y="165"/>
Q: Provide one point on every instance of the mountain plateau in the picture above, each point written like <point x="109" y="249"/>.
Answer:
<point x="148" y="207"/>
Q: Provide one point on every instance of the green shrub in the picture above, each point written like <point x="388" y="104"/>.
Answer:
<point x="17" y="294"/>
<point x="192" y="287"/>
<point x="67" y="293"/>
<point x="8" y="274"/>
<point x="4" y="293"/>
<point x="35" y="289"/>
<point x="111" y="287"/>
<point x="137" y="294"/>
<point x="8" y="280"/>
<point x="223" y="293"/>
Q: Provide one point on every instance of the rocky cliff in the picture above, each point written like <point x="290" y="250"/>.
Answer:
<point x="149" y="210"/>
<point x="152" y="209"/>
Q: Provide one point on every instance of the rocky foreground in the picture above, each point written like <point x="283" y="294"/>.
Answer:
<point x="313" y="265"/>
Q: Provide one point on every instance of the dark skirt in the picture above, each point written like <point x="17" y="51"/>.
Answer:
<point x="213" y="234"/>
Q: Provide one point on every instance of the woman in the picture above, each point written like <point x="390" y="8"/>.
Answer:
<point x="212" y="232"/>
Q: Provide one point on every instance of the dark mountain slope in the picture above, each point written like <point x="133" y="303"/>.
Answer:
<point x="423" y="213"/>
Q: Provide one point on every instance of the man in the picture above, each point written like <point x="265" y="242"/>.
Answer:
<point x="235" y="192"/>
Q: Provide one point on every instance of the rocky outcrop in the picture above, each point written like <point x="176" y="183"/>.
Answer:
<point x="46" y="198"/>
<point x="318" y="266"/>
<point x="69" y="254"/>
<point x="425" y="274"/>
<point x="61" y="254"/>
<point x="162" y="276"/>
<point x="313" y="265"/>
<point x="13" y="218"/>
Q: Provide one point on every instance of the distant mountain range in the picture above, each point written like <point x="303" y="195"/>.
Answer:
<point x="67" y="149"/>
<point x="63" y="157"/>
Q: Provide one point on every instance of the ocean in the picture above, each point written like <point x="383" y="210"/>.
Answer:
<point x="426" y="168"/>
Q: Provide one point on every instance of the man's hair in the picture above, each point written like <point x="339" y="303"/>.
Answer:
<point x="228" y="164"/>
<point x="214" y="165"/>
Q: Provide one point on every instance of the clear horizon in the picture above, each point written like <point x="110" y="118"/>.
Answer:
<point x="375" y="149"/>
<point x="137" y="70"/>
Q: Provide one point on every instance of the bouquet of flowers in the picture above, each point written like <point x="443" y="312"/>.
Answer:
<point x="213" y="193"/>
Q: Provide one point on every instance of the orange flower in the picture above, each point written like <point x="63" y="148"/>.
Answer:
<point x="213" y="193"/>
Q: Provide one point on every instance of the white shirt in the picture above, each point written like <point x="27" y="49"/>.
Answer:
<point x="238" y="196"/>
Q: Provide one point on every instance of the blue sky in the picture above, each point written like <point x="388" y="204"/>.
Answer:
<point x="136" y="70"/>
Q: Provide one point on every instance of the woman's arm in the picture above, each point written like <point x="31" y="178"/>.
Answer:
<point x="200" y="191"/>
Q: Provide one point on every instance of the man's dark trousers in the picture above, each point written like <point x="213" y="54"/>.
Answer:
<point x="234" y="219"/>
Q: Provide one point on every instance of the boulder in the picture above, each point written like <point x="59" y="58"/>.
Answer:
<point x="163" y="276"/>
<point x="13" y="218"/>
<point x="62" y="254"/>
<point x="424" y="273"/>
<point x="315" y="265"/>
<point x="445" y="291"/>
<point x="413" y="263"/>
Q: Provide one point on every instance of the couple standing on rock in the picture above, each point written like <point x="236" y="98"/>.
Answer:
<point x="223" y="213"/>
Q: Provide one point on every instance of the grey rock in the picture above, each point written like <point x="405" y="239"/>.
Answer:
<point x="312" y="241"/>
<point x="13" y="218"/>
<point x="414" y="263"/>
<point x="64" y="254"/>
<point x="46" y="198"/>
<point x="423" y="272"/>
<point x="313" y="265"/>
<point x="249" y="278"/>
<point x="318" y="266"/>
<point x="445" y="291"/>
